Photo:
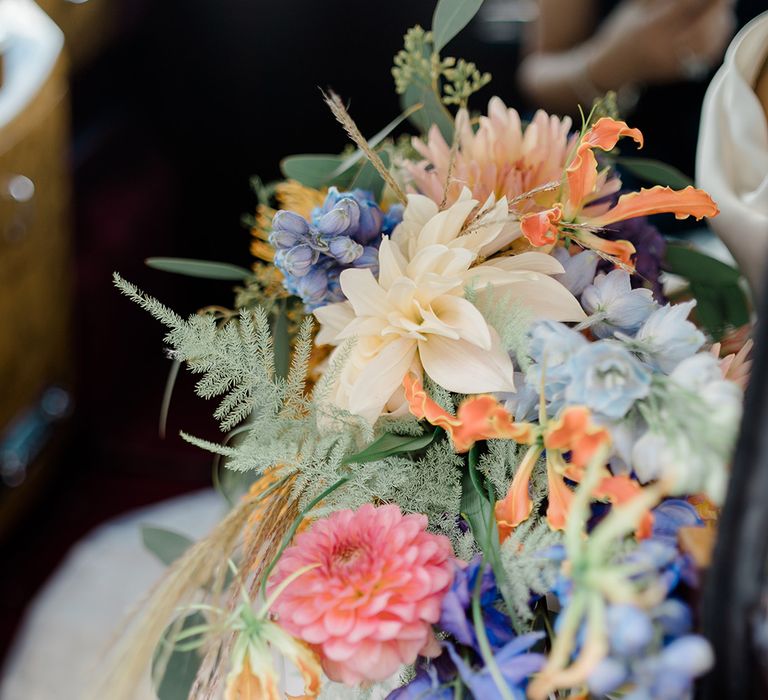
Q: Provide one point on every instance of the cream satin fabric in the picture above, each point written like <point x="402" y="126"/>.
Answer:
<point x="732" y="158"/>
<point x="78" y="614"/>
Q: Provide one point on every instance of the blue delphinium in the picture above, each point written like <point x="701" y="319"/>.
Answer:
<point x="579" y="269"/>
<point x="667" y="338"/>
<point x="607" y="378"/>
<point x="614" y="306"/>
<point x="649" y="669"/>
<point x="344" y="232"/>
<point x="604" y="375"/>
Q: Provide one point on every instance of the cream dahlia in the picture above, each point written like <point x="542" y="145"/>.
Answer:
<point x="414" y="317"/>
<point x="369" y="604"/>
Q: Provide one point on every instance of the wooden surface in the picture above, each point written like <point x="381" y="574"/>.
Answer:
<point x="35" y="266"/>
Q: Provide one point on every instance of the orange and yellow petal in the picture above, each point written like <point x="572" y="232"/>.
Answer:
<point x="573" y="431"/>
<point x="582" y="178"/>
<point x="541" y="228"/>
<point x="559" y="497"/>
<point x="244" y="684"/>
<point x="516" y="506"/>
<point x="606" y="132"/>
<point x="660" y="200"/>
<point x="621" y="489"/>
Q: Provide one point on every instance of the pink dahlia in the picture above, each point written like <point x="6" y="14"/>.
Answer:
<point x="369" y="605"/>
<point x="500" y="158"/>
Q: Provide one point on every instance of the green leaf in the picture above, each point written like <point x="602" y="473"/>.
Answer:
<point x="432" y="112"/>
<point x="199" y="268"/>
<point x="181" y="666"/>
<point x="282" y="341"/>
<point x="655" y="171"/>
<point x="166" y="545"/>
<point x="358" y="155"/>
<point x="312" y="170"/>
<point x="368" y="178"/>
<point x="736" y="305"/>
<point x="165" y="406"/>
<point x="389" y="444"/>
<point x="698" y="267"/>
<point x="479" y="511"/>
<point x="451" y="16"/>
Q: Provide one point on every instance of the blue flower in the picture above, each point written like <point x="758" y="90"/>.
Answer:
<point x="667" y="338"/>
<point x="456" y="615"/>
<point x="425" y="686"/>
<point x="615" y="306"/>
<point x="516" y="668"/>
<point x="344" y="232"/>
<point x="579" y="269"/>
<point x="607" y="378"/>
<point x="552" y="346"/>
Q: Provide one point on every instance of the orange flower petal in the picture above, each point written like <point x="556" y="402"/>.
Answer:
<point x="516" y="506"/>
<point x="423" y="407"/>
<point x="620" y="489"/>
<point x="606" y="132"/>
<point x="541" y="228"/>
<point x="478" y="418"/>
<point x="574" y="432"/>
<point x="660" y="200"/>
<point x="622" y="251"/>
<point x="582" y="177"/>
<point x="559" y="497"/>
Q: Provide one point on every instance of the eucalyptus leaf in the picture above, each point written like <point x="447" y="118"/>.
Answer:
<point x="451" y="16"/>
<point x="312" y="170"/>
<point x="206" y="269"/>
<point x="432" y="112"/>
<point x="736" y="305"/>
<point x="698" y="267"/>
<point x="181" y="666"/>
<point x="368" y="178"/>
<point x="166" y="545"/>
<point x="389" y="444"/>
<point x="655" y="171"/>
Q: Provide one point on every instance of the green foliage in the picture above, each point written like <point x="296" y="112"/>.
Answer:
<point x="174" y="670"/>
<point x="388" y="444"/>
<point x="529" y="568"/>
<point x="499" y="463"/>
<point x="721" y="302"/>
<point x="199" y="268"/>
<point x="166" y="545"/>
<point x="462" y="81"/>
<point x="450" y="17"/>
<point x="655" y="171"/>
<point x="312" y="170"/>
<point x="508" y="316"/>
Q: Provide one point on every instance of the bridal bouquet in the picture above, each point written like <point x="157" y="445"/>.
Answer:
<point x="472" y="449"/>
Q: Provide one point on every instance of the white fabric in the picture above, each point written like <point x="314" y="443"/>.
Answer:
<point x="732" y="158"/>
<point x="79" y="612"/>
<point x="31" y="43"/>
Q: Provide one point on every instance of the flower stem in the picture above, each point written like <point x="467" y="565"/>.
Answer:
<point x="482" y="639"/>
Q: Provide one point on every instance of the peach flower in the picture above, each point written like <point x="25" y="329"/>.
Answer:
<point x="500" y="159"/>
<point x="369" y="607"/>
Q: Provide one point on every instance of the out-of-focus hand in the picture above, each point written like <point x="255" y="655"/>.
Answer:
<point x="659" y="41"/>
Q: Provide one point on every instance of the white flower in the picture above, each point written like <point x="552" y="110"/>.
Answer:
<point x="415" y="315"/>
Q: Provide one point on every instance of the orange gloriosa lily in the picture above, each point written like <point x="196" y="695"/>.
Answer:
<point x="583" y="188"/>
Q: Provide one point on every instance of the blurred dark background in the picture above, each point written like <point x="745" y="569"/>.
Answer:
<point x="173" y="106"/>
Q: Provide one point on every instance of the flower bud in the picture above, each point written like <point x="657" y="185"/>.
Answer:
<point x="297" y="261"/>
<point x="343" y="218"/>
<point x="291" y="222"/>
<point x="344" y="249"/>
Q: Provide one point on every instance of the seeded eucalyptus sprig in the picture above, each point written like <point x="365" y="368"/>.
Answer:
<point x="453" y="80"/>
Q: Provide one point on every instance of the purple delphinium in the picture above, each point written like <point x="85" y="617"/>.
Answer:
<point x="456" y="614"/>
<point x="650" y="246"/>
<point x="344" y="232"/>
